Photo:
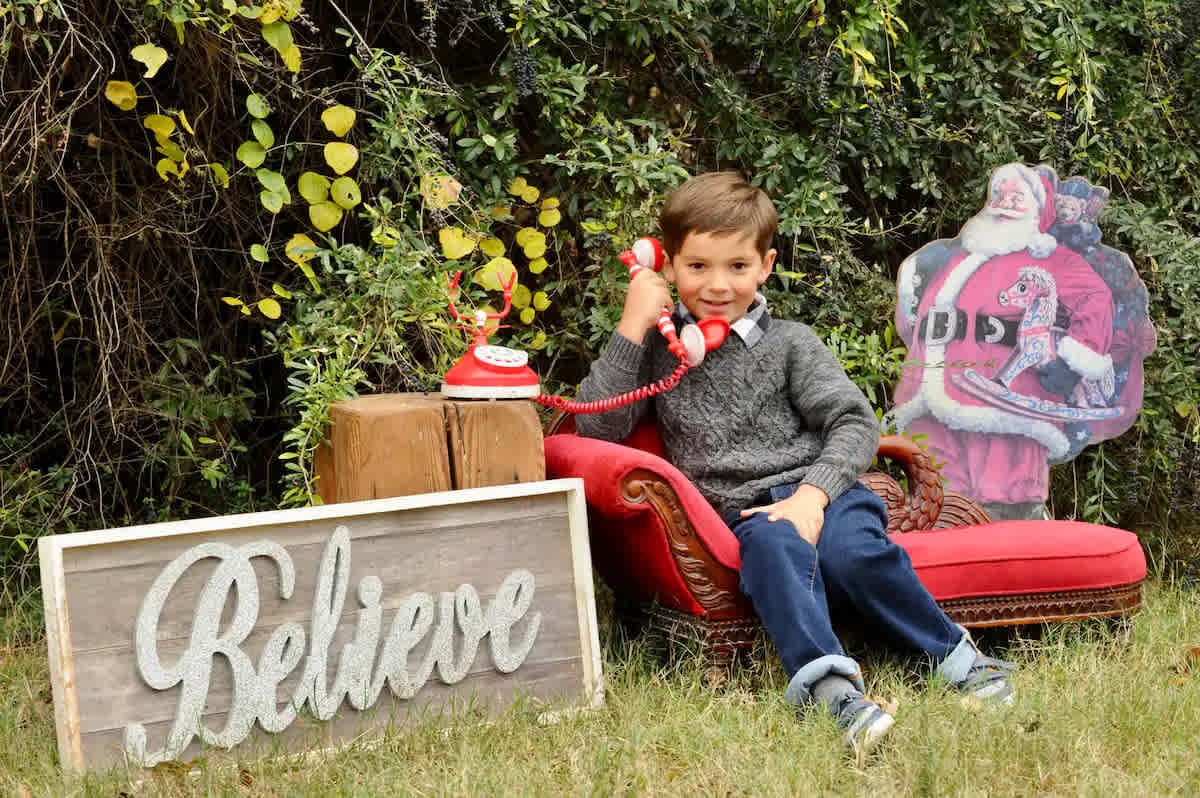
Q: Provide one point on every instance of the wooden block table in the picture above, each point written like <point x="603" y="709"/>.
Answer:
<point x="406" y="443"/>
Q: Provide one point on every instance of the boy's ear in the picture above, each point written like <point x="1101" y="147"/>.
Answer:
<point x="668" y="269"/>
<point x="768" y="264"/>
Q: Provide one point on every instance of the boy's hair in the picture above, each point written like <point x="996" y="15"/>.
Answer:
<point x="721" y="203"/>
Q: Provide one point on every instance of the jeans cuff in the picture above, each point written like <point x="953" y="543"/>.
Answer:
<point x="799" y="689"/>
<point x="958" y="662"/>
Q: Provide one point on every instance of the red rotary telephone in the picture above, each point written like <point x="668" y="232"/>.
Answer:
<point x="487" y="371"/>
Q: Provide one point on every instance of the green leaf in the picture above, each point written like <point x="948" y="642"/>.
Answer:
<point x="314" y="187"/>
<point x="257" y="105"/>
<point x="252" y="154"/>
<point x="278" y="35"/>
<point x="345" y="192"/>
<point x="262" y="131"/>
<point x="259" y="253"/>
<point x="271" y="181"/>
<point x="271" y="200"/>
<point x="281" y="291"/>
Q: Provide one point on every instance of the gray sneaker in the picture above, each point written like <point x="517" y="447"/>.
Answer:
<point x="988" y="681"/>
<point x="864" y="722"/>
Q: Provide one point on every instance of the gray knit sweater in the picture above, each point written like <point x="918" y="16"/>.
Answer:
<point x="746" y="419"/>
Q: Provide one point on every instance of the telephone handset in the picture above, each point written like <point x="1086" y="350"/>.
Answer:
<point x="497" y="372"/>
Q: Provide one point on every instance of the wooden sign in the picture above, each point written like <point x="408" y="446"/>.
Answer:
<point x="302" y="628"/>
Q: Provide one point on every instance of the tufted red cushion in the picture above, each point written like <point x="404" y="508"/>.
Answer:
<point x="1007" y="558"/>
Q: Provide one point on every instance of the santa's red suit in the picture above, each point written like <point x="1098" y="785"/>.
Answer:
<point x="953" y="321"/>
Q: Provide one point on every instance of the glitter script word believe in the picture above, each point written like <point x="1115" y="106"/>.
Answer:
<point x="255" y="689"/>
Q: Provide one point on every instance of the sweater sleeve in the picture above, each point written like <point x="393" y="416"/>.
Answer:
<point x="622" y="367"/>
<point x="835" y="409"/>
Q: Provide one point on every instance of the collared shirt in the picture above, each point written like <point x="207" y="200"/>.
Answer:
<point x="749" y="328"/>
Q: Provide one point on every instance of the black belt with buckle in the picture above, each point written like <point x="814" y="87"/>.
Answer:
<point x="988" y="329"/>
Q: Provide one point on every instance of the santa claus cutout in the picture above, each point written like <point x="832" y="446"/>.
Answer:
<point x="1025" y="339"/>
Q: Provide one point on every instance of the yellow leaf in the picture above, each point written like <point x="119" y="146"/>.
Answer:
<point x="162" y="126"/>
<point x="121" y="94"/>
<point x="1062" y="90"/>
<point x="300" y="248"/>
<point x="166" y="166"/>
<point x="231" y="300"/>
<point x="527" y="316"/>
<point x="171" y="150"/>
<point x="538" y="265"/>
<point x="338" y="119"/>
<point x="341" y="156"/>
<point x="521" y="297"/>
<point x="550" y="203"/>
<point x="152" y="56"/>
<point x="271" y="12"/>
<point x="527" y="234"/>
<point x="245" y="310"/>
<point x="549" y="218"/>
<point x="345" y="192"/>
<point x="220" y="173"/>
<point x="440" y="190"/>
<point x="455" y="243"/>
<point x="291" y="58"/>
<point x="313" y="187"/>
<point x="517" y="186"/>
<point x="496" y="273"/>
<point x="539" y="340"/>
<point x="530" y="194"/>
<point x="535" y="249"/>
<point x="269" y="308"/>
<point x="492" y="247"/>
<point x="324" y="215"/>
<point x="541" y="301"/>
<point x="183" y="121"/>
<point x="183" y="168"/>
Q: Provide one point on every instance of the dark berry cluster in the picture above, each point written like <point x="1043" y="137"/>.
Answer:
<point x="429" y="26"/>
<point x="875" y="116"/>
<point x="823" y="74"/>
<point x="493" y="12"/>
<point x="526" y="73"/>
<point x="899" y="110"/>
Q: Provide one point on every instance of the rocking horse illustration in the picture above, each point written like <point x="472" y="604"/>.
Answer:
<point x="1037" y="341"/>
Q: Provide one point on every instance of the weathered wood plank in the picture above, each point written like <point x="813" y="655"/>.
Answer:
<point x="384" y="445"/>
<point x="494" y="442"/>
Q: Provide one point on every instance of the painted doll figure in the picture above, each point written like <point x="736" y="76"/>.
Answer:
<point x="997" y="381"/>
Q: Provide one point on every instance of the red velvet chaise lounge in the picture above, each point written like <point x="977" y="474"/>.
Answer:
<point x="672" y="562"/>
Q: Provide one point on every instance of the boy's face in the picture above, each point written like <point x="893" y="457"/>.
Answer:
<point x="718" y="275"/>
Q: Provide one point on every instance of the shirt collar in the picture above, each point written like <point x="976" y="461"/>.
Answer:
<point x="750" y="328"/>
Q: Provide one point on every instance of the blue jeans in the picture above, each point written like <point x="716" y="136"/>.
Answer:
<point x="854" y="568"/>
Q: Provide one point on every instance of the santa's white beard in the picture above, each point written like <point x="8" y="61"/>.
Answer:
<point x="988" y="234"/>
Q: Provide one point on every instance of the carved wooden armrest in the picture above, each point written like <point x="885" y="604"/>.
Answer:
<point x="926" y="505"/>
<point x="713" y="584"/>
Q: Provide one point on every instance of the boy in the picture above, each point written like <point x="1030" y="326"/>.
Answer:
<point x="774" y="435"/>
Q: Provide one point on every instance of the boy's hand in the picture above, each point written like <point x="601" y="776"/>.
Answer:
<point x="805" y="509"/>
<point x="644" y="301"/>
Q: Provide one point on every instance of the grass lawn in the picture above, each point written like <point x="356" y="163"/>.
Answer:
<point x="1100" y="711"/>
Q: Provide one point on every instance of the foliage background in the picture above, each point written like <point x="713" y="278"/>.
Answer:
<point x="130" y="392"/>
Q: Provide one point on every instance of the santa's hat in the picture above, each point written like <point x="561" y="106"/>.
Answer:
<point x="1042" y="183"/>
